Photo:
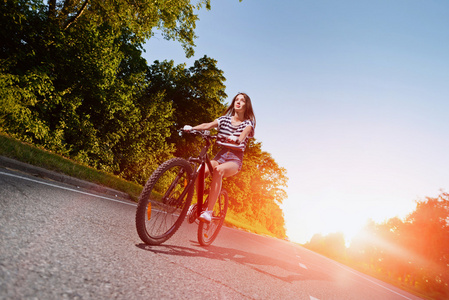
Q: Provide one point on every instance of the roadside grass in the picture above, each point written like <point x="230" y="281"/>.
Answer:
<point x="237" y="221"/>
<point x="27" y="153"/>
<point x="33" y="155"/>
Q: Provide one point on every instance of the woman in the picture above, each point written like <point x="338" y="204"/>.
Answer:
<point x="236" y="126"/>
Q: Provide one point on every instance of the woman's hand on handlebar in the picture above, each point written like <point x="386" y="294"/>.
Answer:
<point x="194" y="130"/>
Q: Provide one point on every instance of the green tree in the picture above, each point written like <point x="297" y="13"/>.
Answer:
<point x="175" y="19"/>
<point x="71" y="70"/>
<point x="197" y="95"/>
<point x="24" y="78"/>
<point x="144" y="147"/>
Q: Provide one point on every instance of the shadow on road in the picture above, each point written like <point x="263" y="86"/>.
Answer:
<point x="260" y="263"/>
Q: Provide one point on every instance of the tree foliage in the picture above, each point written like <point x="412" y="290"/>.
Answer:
<point x="71" y="72"/>
<point x="175" y="19"/>
<point x="259" y="190"/>
<point x="197" y="95"/>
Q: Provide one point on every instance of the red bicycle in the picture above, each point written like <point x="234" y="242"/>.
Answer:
<point x="166" y="197"/>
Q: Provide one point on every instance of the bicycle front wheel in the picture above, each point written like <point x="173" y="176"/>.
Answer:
<point x="164" y="201"/>
<point x="208" y="232"/>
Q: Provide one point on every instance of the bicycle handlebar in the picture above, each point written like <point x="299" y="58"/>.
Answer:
<point x="202" y="133"/>
<point x="205" y="134"/>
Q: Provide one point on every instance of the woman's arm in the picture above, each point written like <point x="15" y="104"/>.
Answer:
<point x="206" y="126"/>
<point x="245" y="133"/>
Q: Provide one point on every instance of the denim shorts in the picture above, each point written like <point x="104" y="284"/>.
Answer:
<point x="226" y="154"/>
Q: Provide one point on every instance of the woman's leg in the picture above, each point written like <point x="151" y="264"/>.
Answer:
<point x="224" y="170"/>
<point x="214" y="163"/>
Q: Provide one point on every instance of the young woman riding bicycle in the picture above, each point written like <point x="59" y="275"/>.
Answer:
<point x="166" y="197"/>
<point x="237" y="125"/>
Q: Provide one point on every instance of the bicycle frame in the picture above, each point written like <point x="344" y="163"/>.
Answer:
<point x="200" y="173"/>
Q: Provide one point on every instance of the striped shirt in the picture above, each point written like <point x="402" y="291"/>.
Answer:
<point x="226" y="129"/>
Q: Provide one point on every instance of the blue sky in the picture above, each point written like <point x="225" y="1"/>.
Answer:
<point x="351" y="97"/>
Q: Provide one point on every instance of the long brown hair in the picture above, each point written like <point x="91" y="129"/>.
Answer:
<point x="249" y="112"/>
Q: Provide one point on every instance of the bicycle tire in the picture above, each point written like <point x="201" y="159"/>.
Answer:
<point x="161" y="211"/>
<point x="207" y="233"/>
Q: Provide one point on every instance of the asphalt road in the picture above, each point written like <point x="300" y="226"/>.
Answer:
<point x="58" y="241"/>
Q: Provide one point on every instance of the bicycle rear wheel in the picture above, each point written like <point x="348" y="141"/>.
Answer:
<point x="164" y="201"/>
<point x="208" y="232"/>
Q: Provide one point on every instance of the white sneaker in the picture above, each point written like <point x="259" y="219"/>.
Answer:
<point x="206" y="216"/>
